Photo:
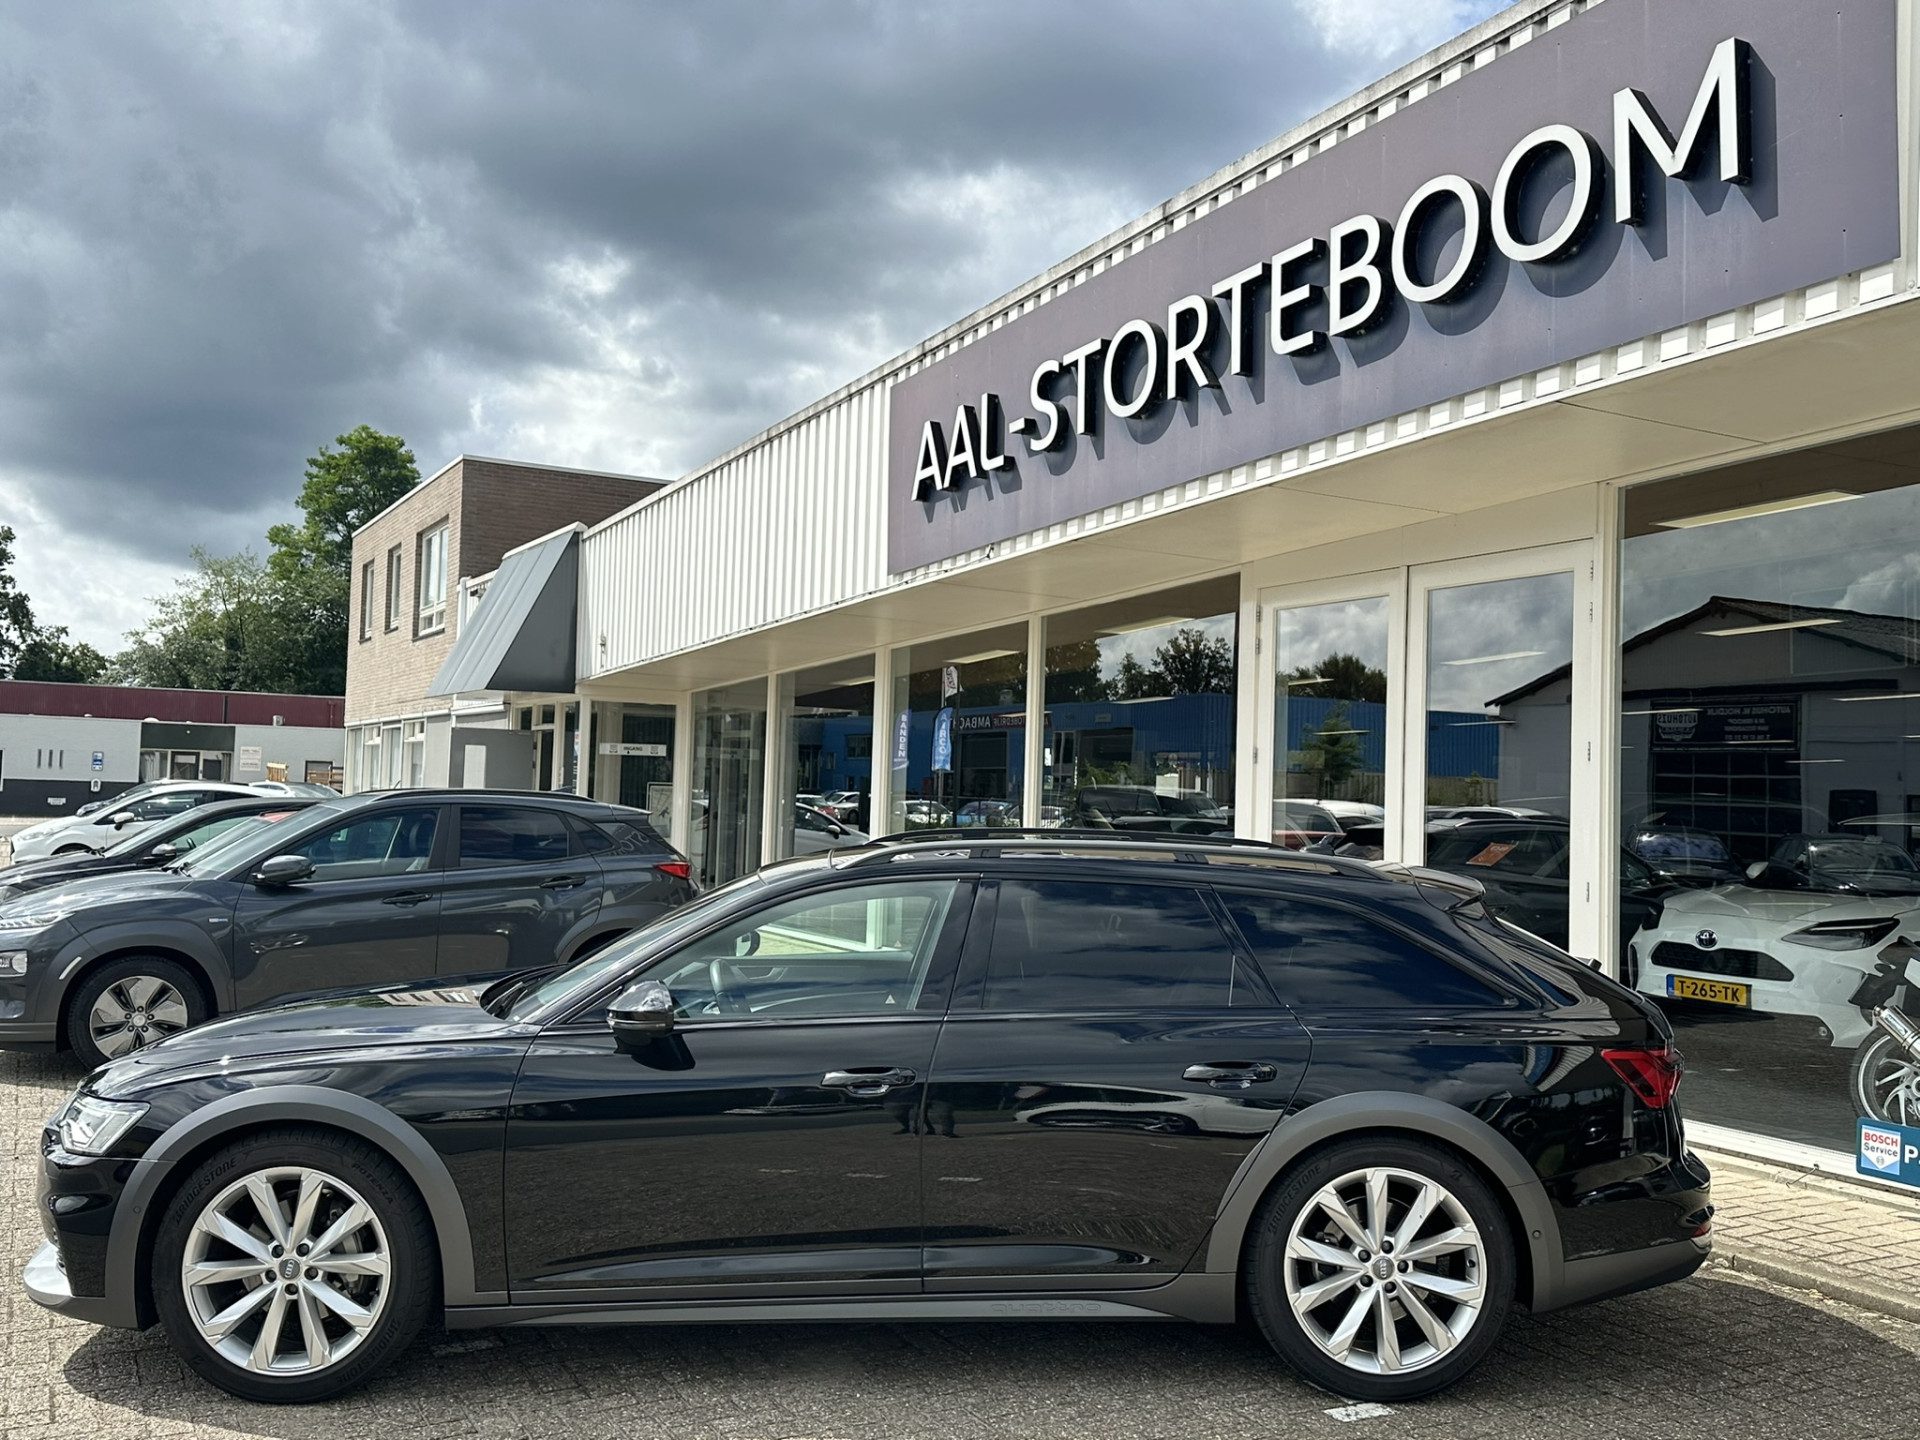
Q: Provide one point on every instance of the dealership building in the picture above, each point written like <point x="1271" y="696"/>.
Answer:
<point x="1536" y="429"/>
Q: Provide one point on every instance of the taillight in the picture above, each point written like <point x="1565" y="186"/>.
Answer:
<point x="1653" y="1075"/>
<point x="678" y="869"/>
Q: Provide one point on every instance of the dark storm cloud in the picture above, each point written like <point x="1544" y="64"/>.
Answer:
<point x="627" y="236"/>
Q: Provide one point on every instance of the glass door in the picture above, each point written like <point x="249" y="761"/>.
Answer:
<point x="1500" y="736"/>
<point x="1330" y="771"/>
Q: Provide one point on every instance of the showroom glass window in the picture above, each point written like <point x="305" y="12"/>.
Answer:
<point x="1140" y="700"/>
<point x="956" y="730"/>
<point x="827" y="770"/>
<point x="1332" y="689"/>
<point x="1769" y="777"/>
<point x="729" y="779"/>
<point x="432" y="580"/>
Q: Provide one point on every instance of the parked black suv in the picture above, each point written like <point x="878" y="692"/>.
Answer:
<point x="1164" y="1077"/>
<point x="166" y="843"/>
<point x="358" y="891"/>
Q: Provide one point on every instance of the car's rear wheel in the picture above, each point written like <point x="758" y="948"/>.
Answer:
<point x="1381" y="1269"/>
<point x="293" y="1265"/>
<point x="130" y="1004"/>
<point x="1886" y="1081"/>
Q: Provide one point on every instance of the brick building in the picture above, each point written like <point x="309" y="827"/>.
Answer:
<point x="419" y="569"/>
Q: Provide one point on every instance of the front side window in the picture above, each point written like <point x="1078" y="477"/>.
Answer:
<point x="1092" y="946"/>
<point x="845" y="953"/>
<point x="1320" y="958"/>
<point x="392" y="842"/>
<point x="510" y="835"/>
<point x="432" y="579"/>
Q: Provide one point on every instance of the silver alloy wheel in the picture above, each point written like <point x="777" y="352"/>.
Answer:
<point x="286" y="1271"/>
<point x="1889" y="1082"/>
<point x="134" y="1012"/>
<point x="1385" y="1270"/>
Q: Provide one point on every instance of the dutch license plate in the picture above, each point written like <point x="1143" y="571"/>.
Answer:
<point x="1714" y="992"/>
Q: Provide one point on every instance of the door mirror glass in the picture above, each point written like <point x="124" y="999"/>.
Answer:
<point x="642" y="1012"/>
<point x="123" y="818"/>
<point x="165" y="853"/>
<point x="283" y="870"/>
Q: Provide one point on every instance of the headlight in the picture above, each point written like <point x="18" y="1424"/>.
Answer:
<point x="31" y="919"/>
<point x="1844" y="934"/>
<point x="13" y="962"/>
<point x="91" y="1126"/>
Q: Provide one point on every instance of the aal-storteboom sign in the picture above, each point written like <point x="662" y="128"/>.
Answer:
<point x="1650" y="163"/>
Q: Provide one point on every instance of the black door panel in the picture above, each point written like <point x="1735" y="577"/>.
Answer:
<point x="1074" y="1146"/>
<point x="518" y="892"/>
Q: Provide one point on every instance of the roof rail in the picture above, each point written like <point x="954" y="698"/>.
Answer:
<point x="987" y="834"/>
<point x="1014" y="840"/>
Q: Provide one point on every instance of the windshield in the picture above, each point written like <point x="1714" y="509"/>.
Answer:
<point x="202" y="832"/>
<point x="580" y="979"/>
<point x="1859" y="859"/>
<point x="1304" y="817"/>
<point x="245" y="846"/>
<point x="1680" y="845"/>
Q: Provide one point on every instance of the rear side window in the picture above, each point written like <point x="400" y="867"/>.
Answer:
<point x="1087" y="945"/>
<point x="509" y="835"/>
<point x="1318" y="957"/>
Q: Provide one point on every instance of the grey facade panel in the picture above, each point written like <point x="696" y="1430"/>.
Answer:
<point x="1823" y="200"/>
<point x="521" y="635"/>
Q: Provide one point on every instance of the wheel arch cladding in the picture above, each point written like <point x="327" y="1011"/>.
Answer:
<point x="112" y="952"/>
<point x="1390" y="1115"/>
<point x="138" y="1217"/>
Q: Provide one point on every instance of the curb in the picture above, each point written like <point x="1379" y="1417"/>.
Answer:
<point x="1785" y="1268"/>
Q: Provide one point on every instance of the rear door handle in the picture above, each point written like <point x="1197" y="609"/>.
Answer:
<point x="563" y="882"/>
<point x="1232" y="1074"/>
<point x="867" y="1083"/>
<point x="408" y="897"/>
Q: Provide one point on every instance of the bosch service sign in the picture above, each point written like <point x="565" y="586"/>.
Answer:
<point x="1889" y="1152"/>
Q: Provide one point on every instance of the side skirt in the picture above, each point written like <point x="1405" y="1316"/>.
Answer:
<point x="1208" y="1299"/>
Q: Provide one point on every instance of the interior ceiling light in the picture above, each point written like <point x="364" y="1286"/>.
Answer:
<point x="1674" y="710"/>
<point x="1765" y="507"/>
<point x="975" y="659"/>
<point x="1469" y="724"/>
<point x="1154" y="624"/>
<point x="1495" y="659"/>
<point x="1816" y="762"/>
<point x="1768" y="629"/>
<point x="1306" y="680"/>
<point x="1342" y="732"/>
<point x="1890" y="695"/>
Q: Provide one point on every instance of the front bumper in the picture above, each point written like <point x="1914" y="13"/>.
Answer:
<point x="47" y="1284"/>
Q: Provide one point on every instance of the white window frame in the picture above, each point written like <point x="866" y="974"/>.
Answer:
<point x="430" y="580"/>
<point x="394" y="604"/>
<point x="414" y="743"/>
<point x="366" y="601"/>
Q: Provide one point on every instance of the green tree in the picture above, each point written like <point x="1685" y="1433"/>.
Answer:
<point x="225" y="627"/>
<point x="1331" y="754"/>
<point x="1342" y="677"/>
<point x="1073" y="672"/>
<point x="1195" y="663"/>
<point x="344" y="489"/>
<point x="49" y="655"/>
<point x="1133" y="681"/>
<point x="16" y="614"/>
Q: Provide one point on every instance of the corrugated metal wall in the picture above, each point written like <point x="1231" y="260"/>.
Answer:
<point x="791" y="525"/>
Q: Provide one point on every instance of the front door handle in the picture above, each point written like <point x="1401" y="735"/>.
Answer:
<point x="563" y="882"/>
<point x="867" y="1084"/>
<point x="1232" y="1074"/>
<point x="408" y="897"/>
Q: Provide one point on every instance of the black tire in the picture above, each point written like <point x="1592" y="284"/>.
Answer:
<point x="413" y="1276"/>
<point x="1879" y="1049"/>
<point x="1265" y="1277"/>
<point x="94" y="984"/>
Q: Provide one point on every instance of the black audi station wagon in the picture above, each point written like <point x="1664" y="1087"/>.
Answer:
<point x="993" y="1077"/>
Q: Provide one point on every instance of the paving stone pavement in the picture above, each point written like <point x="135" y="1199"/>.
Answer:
<point x="1721" y="1355"/>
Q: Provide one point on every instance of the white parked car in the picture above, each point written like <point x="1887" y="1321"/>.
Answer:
<point x="115" y="821"/>
<point x="1826" y="929"/>
<point x="815" y="830"/>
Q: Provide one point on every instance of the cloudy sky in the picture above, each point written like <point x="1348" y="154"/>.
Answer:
<point x="620" y="235"/>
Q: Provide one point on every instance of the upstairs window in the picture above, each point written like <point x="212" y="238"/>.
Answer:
<point x="366" y="601"/>
<point x="394" y="602"/>
<point x="432" y="580"/>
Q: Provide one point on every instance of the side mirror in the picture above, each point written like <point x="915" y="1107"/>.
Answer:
<point x="836" y="828"/>
<point x="165" y="853"/>
<point x="124" y="818"/>
<point x="283" y="870"/>
<point x="643" y="1012"/>
<point x="1757" y="870"/>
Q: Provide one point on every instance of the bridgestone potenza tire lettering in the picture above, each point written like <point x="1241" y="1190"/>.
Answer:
<point x="362" y="1286"/>
<point x="1381" y="1269"/>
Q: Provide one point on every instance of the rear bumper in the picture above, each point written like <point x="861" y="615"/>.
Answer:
<point x="1673" y="1226"/>
<point x="1601" y="1277"/>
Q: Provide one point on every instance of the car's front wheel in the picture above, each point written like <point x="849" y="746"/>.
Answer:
<point x="293" y="1265"/>
<point x="132" y="1003"/>
<point x="1381" y="1269"/>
